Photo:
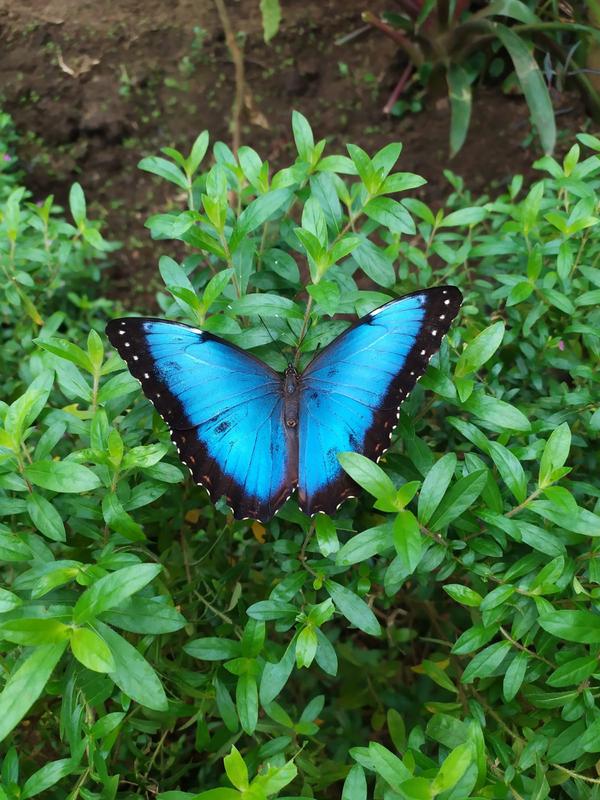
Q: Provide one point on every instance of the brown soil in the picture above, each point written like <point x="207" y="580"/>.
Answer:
<point x="98" y="84"/>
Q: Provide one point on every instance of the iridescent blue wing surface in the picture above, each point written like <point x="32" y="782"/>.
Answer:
<point x="351" y="392"/>
<point x="224" y="409"/>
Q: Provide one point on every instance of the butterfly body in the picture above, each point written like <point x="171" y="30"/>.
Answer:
<point x="254" y="436"/>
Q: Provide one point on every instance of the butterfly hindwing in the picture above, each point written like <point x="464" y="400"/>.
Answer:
<point x="352" y="390"/>
<point x="223" y="406"/>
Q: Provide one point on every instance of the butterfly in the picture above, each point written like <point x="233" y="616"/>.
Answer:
<point x="253" y="435"/>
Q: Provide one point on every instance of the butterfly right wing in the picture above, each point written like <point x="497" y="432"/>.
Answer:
<point x="224" y="409"/>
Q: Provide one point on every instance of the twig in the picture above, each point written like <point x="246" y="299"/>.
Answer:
<point x="398" y="89"/>
<point x="238" y="62"/>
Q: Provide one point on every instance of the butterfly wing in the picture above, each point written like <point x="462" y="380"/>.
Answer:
<point x="351" y="392"/>
<point x="223" y="406"/>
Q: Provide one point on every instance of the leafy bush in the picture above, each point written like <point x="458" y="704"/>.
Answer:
<point x="463" y="42"/>
<point x="438" y="638"/>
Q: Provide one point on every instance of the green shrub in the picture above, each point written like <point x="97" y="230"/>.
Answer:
<point x="448" y="648"/>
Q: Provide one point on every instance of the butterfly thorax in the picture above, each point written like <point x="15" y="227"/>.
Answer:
<point x="291" y="396"/>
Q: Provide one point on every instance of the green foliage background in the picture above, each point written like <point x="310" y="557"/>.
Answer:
<point x="439" y="637"/>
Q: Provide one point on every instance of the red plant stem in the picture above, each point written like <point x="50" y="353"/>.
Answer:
<point x="413" y="51"/>
<point x="398" y="89"/>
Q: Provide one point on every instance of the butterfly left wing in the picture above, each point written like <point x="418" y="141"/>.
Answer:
<point x="351" y="392"/>
<point x="223" y="406"/>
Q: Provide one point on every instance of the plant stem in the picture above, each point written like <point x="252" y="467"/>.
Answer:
<point x="238" y="62"/>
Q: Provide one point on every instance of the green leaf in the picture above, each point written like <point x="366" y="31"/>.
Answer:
<point x="211" y="648"/>
<point x="371" y="477"/>
<point x="275" y="675"/>
<point x="574" y="626"/>
<point x="258" y="212"/>
<point x="353" y="608"/>
<point x="391" y="214"/>
<point x="513" y="677"/>
<point x="459" y="92"/>
<point x="407" y="540"/>
<point x="46" y="777"/>
<point x="91" y="650"/>
<point x="303" y="136"/>
<point x="510" y="470"/>
<point x="374" y="263"/>
<point x="225" y="706"/>
<point x="355" y="785"/>
<point x="388" y="765"/>
<point x="464" y="216"/>
<point x="533" y="85"/>
<point x="365" y="544"/>
<point x="132" y="673"/>
<point x="246" y="701"/>
<point x="34" y="631"/>
<point x="164" y="169"/>
<point x="498" y="414"/>
<point x="266" y="305"/>
<point x="77" y="204"/>
<point x="435" y="485"/>
<point x="112" y="590"/>
<point x="198" y="151"/>
<point x="306" y="647"/>
<point x="45" y="517"/>
<point x="26" y="684"/>
<point x="486" y="662"/>
<point x="459" y="498"/>
<point x="453" y="768"/>
<point x="62" y="476"/>
<point x="236" y="769"/>
<point x="573" y="672"/>
<point x="555" y="453"/>
<point x="480" y="349"/>
<point x="326" y="535"/>
<point x="463" y="594"/>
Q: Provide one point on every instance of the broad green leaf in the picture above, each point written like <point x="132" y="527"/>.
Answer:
<point x="47" y="776"/>
<point x="353" y="608"/>
<point x="246" y="701"/>
<point x="25" y="685"/>
<point x="236" y="770"/>
<point x="486" y="662"/>
<point x="371" y="477"/>
<point x="365" y="544"/>
<point x="112" y="590"/>
<point x="533" y="84"/>
<point x="45" y="517"/>
<point x="77" y="204"/>
<point x="514" y="675"/>
<point x="303" y="136"/>
<point x="510" y="470"/>
<point x="407" y="540"/>
<point x="463" y="594"/>
<point x="453" y="768"/>
<point x="164" y="169"/>
<point x="132" y="673"/>
<point x="459" y="92"/>
<point x="91" y="650"/>
<point x="555" y="453"/>
<point x="480" y="349"/>
<point x="574" y="626"/>
<point x="355" y="785"/>
<point x="459" y="498"/>
<point x="62" y="476"/>
<point x="213" y="648"/>
<point x="435" y="485"/>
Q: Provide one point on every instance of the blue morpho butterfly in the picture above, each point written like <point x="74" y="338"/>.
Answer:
<point x="253" y="435"/>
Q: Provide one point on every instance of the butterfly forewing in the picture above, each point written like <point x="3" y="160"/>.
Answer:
<point x="223" y="406"/>
<point x="352" y="390"/>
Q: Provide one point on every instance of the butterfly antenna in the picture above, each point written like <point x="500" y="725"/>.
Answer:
<point x="267" y="330"/>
